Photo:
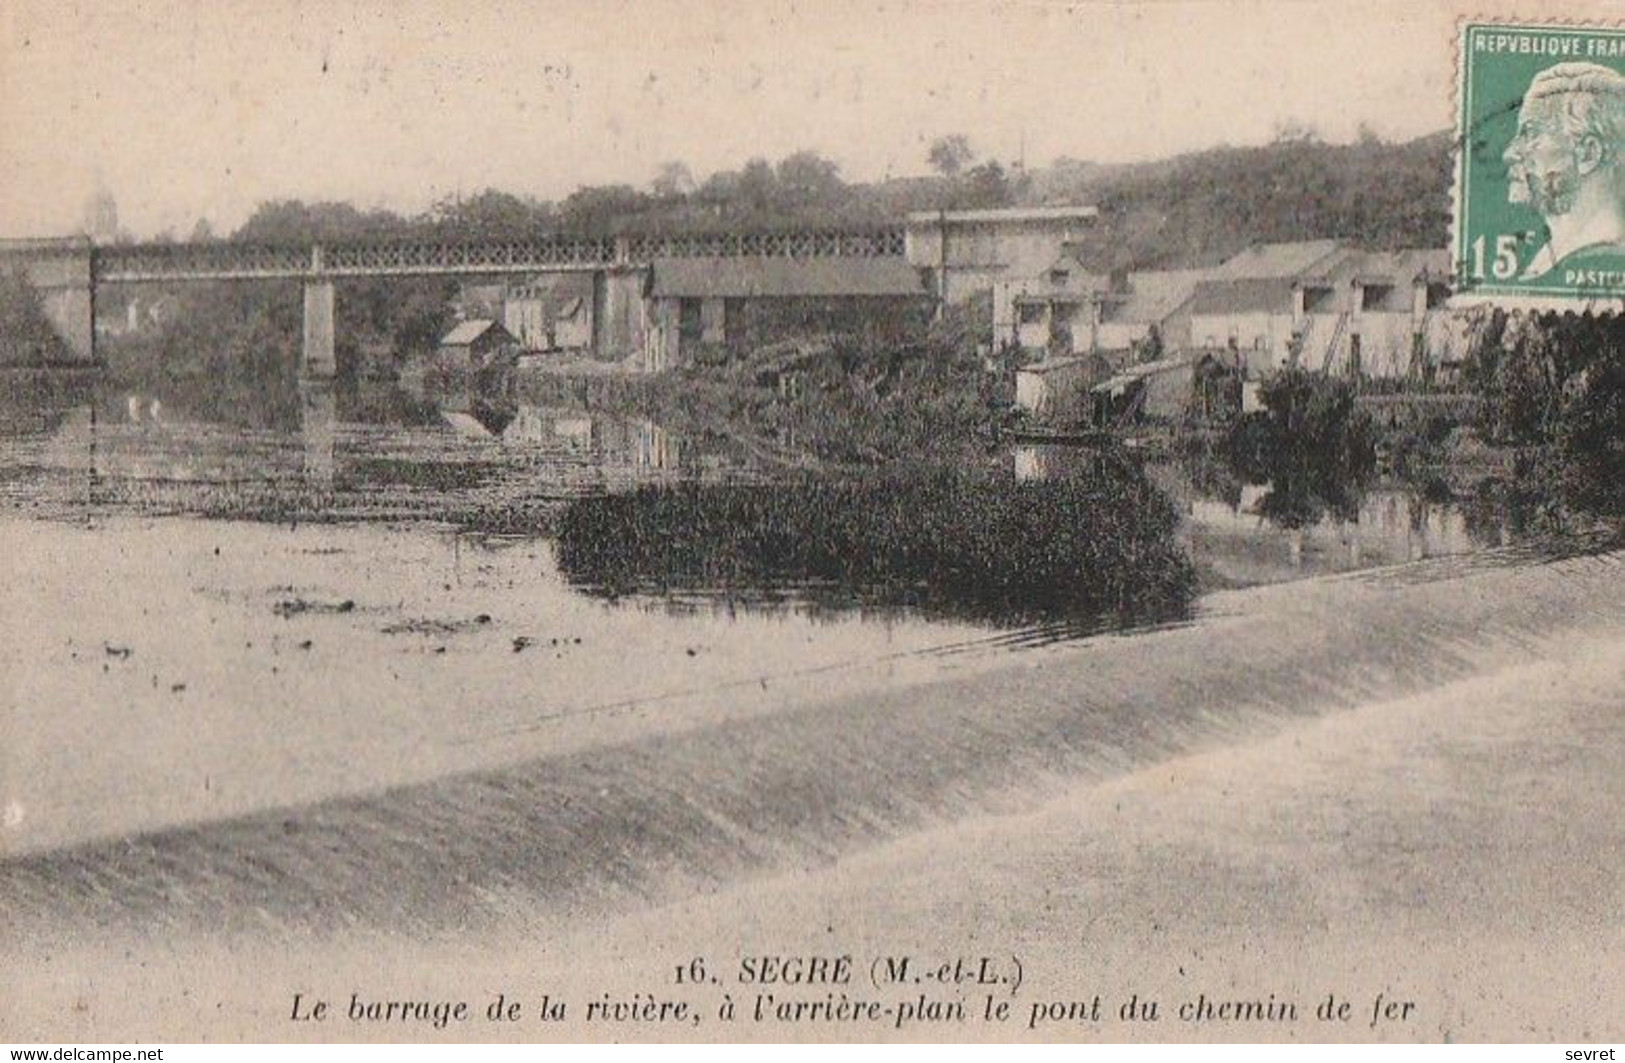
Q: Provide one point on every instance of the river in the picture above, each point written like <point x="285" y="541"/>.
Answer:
<point x="206" y="622"/>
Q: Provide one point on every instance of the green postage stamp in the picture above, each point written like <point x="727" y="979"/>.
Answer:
<point x="1540" y="194"/>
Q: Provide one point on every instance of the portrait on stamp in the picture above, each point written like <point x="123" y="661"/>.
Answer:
<point x="1565" y="162"/>
<point x="1540" y="200"/>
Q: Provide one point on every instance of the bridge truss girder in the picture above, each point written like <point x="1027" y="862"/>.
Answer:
<point x="231" y="261"/>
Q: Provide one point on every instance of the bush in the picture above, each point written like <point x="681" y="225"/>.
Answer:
<point x="1591" y="439"/>
<point x="1311" y="420"/>
<point x="1529" y="369"/>
<point x="854" y="402"/>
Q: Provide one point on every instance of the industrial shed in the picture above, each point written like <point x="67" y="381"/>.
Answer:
<point x="1057" y="391"/>
<point x="473" y="344"/>
<point x="699" y="307"/>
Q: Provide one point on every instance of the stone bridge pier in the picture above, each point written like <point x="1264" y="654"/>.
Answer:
<point x="317" y="361"/>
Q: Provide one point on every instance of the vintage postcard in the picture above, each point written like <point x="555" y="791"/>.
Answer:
<point x="944" y="520"/>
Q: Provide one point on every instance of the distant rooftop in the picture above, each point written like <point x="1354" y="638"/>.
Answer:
<point x="1249" y="295"/>
<point x="1279" y="260"/>
<point x="1131" y="373"/>
<point x="1153" y="294"/>
<point x="466" y="332"/>
<point x="1400" y="267"/>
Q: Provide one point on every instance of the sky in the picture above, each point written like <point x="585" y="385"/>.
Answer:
<point x="188" y="109"/>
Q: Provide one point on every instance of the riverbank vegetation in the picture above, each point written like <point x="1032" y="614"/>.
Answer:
<point x="843" y="400"/>
<point x="27" y="337"/>
<point x="1553" y="387"/>
<point x="1311" y="444"/>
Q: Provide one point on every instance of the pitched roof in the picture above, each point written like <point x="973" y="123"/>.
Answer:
<point x="784" y="277"/>
<point x="1400" y="267"/>
<point x="1251" y="295"/>
<point x="1154" y="294"/>
<point x="1279" y="260"/>
<point x="1066" y="278"/>
<point x="466" y="332"/>
<point x="1129" y="374"/>
<point x="1260" y="286"/>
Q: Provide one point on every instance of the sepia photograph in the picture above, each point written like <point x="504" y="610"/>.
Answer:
<point x="868" y="521"/>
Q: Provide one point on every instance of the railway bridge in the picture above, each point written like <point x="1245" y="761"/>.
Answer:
<point x="68" y="272"/>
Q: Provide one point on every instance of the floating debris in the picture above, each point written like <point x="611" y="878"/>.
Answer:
<point x="433" y="626"/>
<point x="294" y="606"/>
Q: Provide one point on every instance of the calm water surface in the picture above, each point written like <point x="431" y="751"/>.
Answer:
<point x="207" y="620"/>
<point x="430" y="473"/>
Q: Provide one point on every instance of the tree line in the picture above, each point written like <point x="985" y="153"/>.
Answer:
<point x="1186" y="210"/>
<point x="804" y="189"/>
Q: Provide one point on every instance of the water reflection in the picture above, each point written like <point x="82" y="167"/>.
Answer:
<point x="1241" y="529"/>
<point x="318" y="431"/>
<point x="636" y="442"/>
<point x="1038" y="462"/>
<point x="1386" y="525"/>
<point x="1064" y="532"/>
<point x="355" y="451"/>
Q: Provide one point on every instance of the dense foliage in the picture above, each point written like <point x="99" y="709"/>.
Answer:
<point x="968" y="543"/>
<point x="226" y="352"/>
<point x="1187" y="209"/>
<point x="1311" y="444"/>
<point x="1557" y="382"/>
<point x="27" y="337"/>
<point x="1203" y="207"/>
<point x="1311" y="418"/>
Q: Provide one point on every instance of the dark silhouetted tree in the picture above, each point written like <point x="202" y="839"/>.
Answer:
<point x="807" y="179"/>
